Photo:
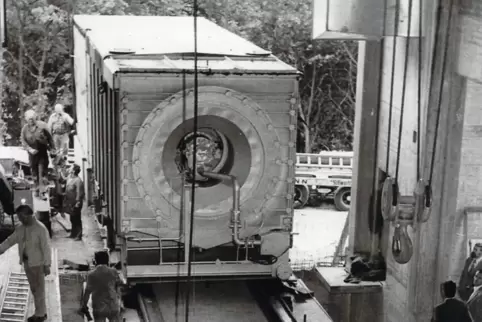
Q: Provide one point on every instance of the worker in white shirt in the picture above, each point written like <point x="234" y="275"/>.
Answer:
<point x="34" y="251"/>
<point x="60" y="126"/>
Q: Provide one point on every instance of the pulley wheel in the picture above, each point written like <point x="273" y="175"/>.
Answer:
<point x="389" y="199"/>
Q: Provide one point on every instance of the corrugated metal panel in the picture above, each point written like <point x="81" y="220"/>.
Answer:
<point x="162" y="35"/>
<point x="149" y="40"/>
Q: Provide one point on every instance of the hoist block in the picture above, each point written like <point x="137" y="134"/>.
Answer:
<point x="405" y="211"/>
<point x="406" y="208"/>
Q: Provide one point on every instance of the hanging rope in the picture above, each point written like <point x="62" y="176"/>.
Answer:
<point x="392" y="85"/>
<point x="442" y="81"/>
<point x="419" y="88"/>
<point x="404" y="87"/>
<point x="193" y="187"/>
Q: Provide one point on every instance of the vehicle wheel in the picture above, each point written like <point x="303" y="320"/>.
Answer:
<point x="302" y="194"/>
<point x="343" y="199"/>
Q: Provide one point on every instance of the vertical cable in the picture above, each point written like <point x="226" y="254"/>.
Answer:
<point x="392" y="84"/>
<point x="419" y="89"/>
<point x="442" y="81"/>
<point x="193" y="187"/>
<point x="404" y="87"/>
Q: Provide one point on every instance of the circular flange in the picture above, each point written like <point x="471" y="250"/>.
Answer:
<point x="245" y="126"/>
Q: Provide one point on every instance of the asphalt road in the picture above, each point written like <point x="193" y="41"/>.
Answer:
<point x="319" y="232"/>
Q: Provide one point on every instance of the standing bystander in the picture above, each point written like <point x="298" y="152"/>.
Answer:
<point x="34" y="251"/>
<point x="73" y="201"/>
<point x="60" y="124"/>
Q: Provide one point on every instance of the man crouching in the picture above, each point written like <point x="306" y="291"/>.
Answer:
<point x="34" y="251"/>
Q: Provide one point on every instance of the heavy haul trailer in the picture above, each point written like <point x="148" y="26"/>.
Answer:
<point x="134" y="96"/>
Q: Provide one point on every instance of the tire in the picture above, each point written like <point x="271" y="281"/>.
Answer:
<point x="302" y="195"/>
<point x="342" y="203"/>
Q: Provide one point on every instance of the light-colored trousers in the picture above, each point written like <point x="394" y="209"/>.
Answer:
<point x="114" y="317"/>
<point x="61" y="142"/>
<point x="36" y="280"/>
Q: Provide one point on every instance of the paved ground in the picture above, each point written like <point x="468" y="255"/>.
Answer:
<point x="319" y="233"/>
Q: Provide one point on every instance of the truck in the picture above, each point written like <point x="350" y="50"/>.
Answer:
<point x="326" y="175"/>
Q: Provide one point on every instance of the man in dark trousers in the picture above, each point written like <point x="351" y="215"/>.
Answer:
<point x="34" y="251"/>
<point x="451" y="309"/>
<point x="74" y="197"/>
<point x="103" y="283"/>
<point x="37" y="140"/>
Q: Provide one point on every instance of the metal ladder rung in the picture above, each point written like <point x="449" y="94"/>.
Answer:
<point x="13" y="314"/>
<point x="11" y="320"/>
<point x="14" y="303"/>
<point x="17" y="294"/>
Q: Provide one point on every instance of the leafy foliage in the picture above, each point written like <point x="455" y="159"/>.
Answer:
<point x="38" y="71"/>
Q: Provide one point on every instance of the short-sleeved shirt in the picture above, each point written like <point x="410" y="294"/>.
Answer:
<point x="104" y="283"/>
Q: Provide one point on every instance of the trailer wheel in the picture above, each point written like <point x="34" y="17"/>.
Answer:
<point x="302" y="194"/>
<point x="342" y="199"/>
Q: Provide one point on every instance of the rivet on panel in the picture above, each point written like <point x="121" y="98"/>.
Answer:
<point x="292" y="112"/>
<point x="125" y="127"/>
<point x="228" y="93"/>
<point x="158" y="111"/>
<point x="270" y="127"/>
<point x="293" y="100"/>
<point x="275" y="179"/>
<point x="289" y="210"/>
<point x="125" y="144"/>
<point x="159" y="212"/>
<point x="125" y="181"/>
<point x="125" y="162"/>
<point x="267" y="196"/>
<point x="125" y="111"/>
<point x="289" y="180"/>
<point x="291" y="144"/>
<point x="125" y="198"/>
<point x="125" y="99"/>
<point x="279" y="162"/>
<point x="137" y="162"/>
<point x="158" y="218"/>
<point x="292" y="127"/>
<point x="173" y="100"/>
<point x="290" y="162"/>
<point x="147" y="197"/>
<point x="289" y="196"/>
<point x="139" y="144"/>
<point x="140" y="181"/>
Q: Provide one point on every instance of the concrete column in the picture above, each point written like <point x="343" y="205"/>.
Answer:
<point x="365" y="146"/>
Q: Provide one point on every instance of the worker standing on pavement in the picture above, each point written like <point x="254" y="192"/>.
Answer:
<point x="60" y="125"/>
<point x="73" y="201"/>
<point x="104" y="284"/>
<point x="37" y="140"/>
<point x="34" y="251"/>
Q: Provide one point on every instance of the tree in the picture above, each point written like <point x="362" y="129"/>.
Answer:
<point x="38" y="63"/>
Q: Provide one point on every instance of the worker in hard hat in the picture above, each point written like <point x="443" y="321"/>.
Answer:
<point x="60" y="125"/>
<point x="34" y="251"/>
<point x="37" y="140"/>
